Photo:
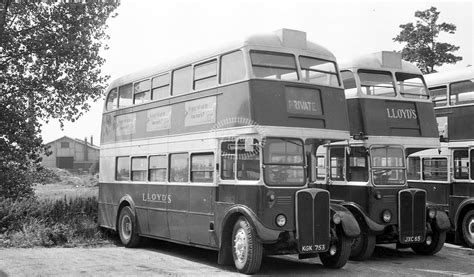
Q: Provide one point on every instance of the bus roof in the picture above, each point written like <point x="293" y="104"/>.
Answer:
<point x="440" y="78"/>
<point x="282" y="38"/>
<point x="381" y="60"/>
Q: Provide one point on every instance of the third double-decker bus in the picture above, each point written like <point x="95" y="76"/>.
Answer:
<point x="447" y="174"/>
<point x="390" y="114"/>
<point x="210" y="151"/>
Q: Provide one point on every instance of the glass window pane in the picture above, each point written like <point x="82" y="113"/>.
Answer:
<point x="336" y="165"/>
<point x="202" y="169"/>
<point x="414" y="168"/>
<point x="471" y="164"/>
<point x="112" y="100"/>
<point x="275" y="73"/>
<point x="348" y="79"/>
<point x="160" y="81"/>
<point x="179" y="167"/>
<point x="205" y="70"/>
<point x="411" y="85"/>
<point x="142" y="97"/>
<point x="320" y="168"/>
<point x="158" y="175"/>
<point x="388" y="165"/>
<point x="160" y="93"/>
<point x="182" y="80"/>
<point x="248" y="159"/>
<point x="232" y="67"/>
<point x="376" y="83"/>
<point x="288" y="175"/>
<point x="141" y="86"/>
<point x="462" y="92"/>
<point x="435" y="169"/>
<point x="139" y="163"/>
<point x="125" y="96"/>
<point x="283" y="151"/>
<point x="439" y="96"/>
<point x="461" y="164"/>
<point x="358" y="169"/>
<point x="273" y="59"/>
<point x="227" y="160"/>
<point x="205" y="83"/>
<point x="158" y="162"/>
<point x="122" y="172"/>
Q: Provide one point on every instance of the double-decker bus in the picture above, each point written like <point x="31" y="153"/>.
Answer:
<point x="211" y="151"/>
<point x="447" y="174"/>
<point x="390" y="114"/>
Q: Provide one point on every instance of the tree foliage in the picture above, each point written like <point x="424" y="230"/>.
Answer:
<point x="422" y="46"/>
<point x="50" y="67"/>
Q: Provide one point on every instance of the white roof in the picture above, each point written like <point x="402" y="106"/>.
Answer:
<point x="440" y="78"/>
<point x="384" y="60"/>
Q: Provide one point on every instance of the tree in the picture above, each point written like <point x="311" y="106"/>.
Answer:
<point x="422" y="46"/>
<point x="49" y="69"/>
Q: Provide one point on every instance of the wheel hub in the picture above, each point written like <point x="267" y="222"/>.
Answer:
<point x="126" y="227"/>
<point x="240" y="245"/>
<point x="470" y="227"/>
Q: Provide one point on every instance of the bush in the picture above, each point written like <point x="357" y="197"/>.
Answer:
<point x="30" y="222"/>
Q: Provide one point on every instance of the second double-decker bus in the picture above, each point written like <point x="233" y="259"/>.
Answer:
<point x="210" y="152"/>
<point x="390" y="115"/>
<point x="447" y="174"/>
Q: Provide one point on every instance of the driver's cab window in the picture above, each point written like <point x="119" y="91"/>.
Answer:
<point x="336" y="163"/>
<point x="357" y="167"/>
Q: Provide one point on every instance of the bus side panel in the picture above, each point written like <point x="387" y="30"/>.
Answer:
<point x="178" y="212"/>
<point x="233" y="104"/>
<point x="107" y="208"/>
<point x="436" y="192"/>
<point x="200" y="213"/>
<point x="461" y="188"/>
<point x="460" y="123"/>
<point x="157" y="202"/>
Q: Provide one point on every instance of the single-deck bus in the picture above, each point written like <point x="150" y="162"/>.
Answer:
<point x="390" y="114"/>
<point x="210" y="152"/>
<point x="447" y="174"/>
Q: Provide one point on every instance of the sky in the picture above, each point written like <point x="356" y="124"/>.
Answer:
<point x="148" y="32"/>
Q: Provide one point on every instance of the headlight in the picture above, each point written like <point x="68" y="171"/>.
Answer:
<point x="432" y="213"/>
<point x="336" y="218"/>
<point x="280" y="220"/>
<point x="386" y="216"/>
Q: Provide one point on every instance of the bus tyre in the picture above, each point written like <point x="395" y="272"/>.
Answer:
<point x="437" y="241"/>
<point x="468" y="228"/>
<point x="127" y="228"/>
<point x="343" y="250"/>
<point x="246" y="249"/>
<point x="362" y="247"/>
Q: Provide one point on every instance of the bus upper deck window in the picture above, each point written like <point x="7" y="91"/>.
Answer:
<point x="461" y="92"/>
<point x="232" y="67"/>
<point x="125" y="96"/>
<point x="274" y="65"/>
<point x="439" y="96"/>
<point x="319" y="71"/>
<point x="160" y="87"/>
<point x="112" y="100"/>
<point x="411" y="85"/>
<point x="182" y="80"/>
<point x="350" y="86"/>
<point x="205" y="75"/>
<point x="376" y="83"/>
<point x="141" y="92"/>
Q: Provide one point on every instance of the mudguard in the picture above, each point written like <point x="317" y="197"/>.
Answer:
<point x="441" y="221"/>
<point x="265" y="234"/>
<point x="361" y="217"/>
<point x="349" y="224"/>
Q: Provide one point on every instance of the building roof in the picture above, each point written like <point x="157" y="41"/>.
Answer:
<point x="80" y="141"/>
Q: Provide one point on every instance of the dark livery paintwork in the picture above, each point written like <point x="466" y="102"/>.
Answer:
<point x="378" y="117"/>
<point x="460" y="122"/>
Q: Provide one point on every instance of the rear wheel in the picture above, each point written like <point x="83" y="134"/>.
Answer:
<point x="127" y="228"/>
<point x="246" y="249"/>
<point x="437" y="241"/>
<point x="468" y="228"/>
<point x="343" y="251"/>
<point x="363" y="247"/>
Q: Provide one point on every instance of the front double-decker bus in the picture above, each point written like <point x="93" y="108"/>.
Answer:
<point x="210" y="151"/>
<point x="390" y="115"/>
<point x="447" y="174"/>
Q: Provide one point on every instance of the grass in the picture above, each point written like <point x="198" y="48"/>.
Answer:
<point x="63" y="213"/>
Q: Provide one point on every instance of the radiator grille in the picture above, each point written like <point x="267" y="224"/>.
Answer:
<point x="412" y="215"/>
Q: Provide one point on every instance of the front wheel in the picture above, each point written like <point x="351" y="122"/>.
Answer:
<point x="127" y="228"/>
<point x="342" y="249"/>
<point x="468" y="228"/>
<point x="246" y="249"/>
<point x="437" y="241"/>
<point x="363" y="247"/>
